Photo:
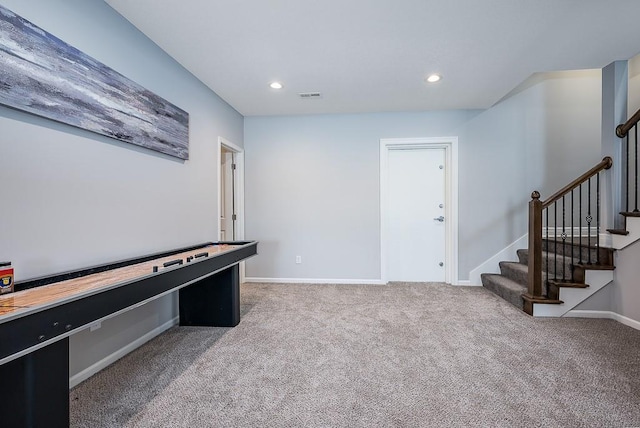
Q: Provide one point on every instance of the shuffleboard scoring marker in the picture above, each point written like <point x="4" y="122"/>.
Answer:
<point x="173" y="262"/>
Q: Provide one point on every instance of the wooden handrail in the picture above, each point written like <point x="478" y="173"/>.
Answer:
<point x="623" y="129"/>
<point x="536" y="206"/>
<point x="605" y="163"/>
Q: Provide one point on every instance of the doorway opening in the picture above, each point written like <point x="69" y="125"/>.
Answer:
<point x="419" y="209"/>
<point x="230" y="191"/>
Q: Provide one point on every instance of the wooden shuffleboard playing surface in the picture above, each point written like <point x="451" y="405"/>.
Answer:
<point x="75" y="288"/>
<point x="51" y="308"/>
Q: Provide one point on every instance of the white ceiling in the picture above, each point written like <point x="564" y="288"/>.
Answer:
<point x="372" y="55"/>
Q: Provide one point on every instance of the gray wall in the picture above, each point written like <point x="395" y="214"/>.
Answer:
<point x="312" y="189"/>
<point x="312" y="182"/>
<point x="634" y="85"/>
<point x="73" y="199"/>
<point x="624" y="293"/>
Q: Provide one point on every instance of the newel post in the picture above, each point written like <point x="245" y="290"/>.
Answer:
<point x="535" y="247"/>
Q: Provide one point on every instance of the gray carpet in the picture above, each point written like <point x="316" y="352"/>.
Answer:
<point x="401" y="355"/>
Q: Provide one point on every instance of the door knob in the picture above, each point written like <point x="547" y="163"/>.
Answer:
<point x="440" y="219"/>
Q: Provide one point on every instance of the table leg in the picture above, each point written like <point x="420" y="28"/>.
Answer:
<point x="35" y="388"/>
<point x="213" y="301"/>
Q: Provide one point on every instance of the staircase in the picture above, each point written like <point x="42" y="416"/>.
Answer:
<point x="565" y="263"/>
<point x="574" y="278"/>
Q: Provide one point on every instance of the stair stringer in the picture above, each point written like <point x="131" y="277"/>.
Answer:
<point x="571" y="297"/>
<point x="618" y="242"/>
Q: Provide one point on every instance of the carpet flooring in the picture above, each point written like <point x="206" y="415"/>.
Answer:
<point x="400" y="355"/>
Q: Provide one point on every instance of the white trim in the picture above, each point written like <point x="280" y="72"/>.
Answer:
<point x="315" y="281"/>
<point x="619" y="242"/>
<point x="553" y="232"/>
<point x="605" y="240"/>
<point x="329" y="281"/>
<point x="572" y="297"/>
<point x="576" y="313"/>
<point x="115" y="356"/>
<point x="450" y="144"/>
<point x="239" y="195"/>
<point x="491" y="265"/>
<point x="465" y="283"/>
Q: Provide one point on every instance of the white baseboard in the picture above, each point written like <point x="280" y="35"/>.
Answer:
<point x="576" y="231"/>
<point x="604" y="314"/>
<point x="112" y="358"/>
<point x="331" y="281"/>
<point x="507" y="254"/>
<point x="467" y="283"/>
<point x="315" y="281"/>
<point x="584" y="232"/>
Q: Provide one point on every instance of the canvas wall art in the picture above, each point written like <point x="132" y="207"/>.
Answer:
<point x="43" y="75"/>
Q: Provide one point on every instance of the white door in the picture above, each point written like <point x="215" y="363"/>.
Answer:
<point x="416" y="225"/>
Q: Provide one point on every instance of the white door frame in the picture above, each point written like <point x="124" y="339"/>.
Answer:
<point x="238" y="194"/>
<point x="450" y="145"/>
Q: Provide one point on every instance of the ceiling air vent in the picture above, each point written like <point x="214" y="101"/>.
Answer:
<point x="310" y="95"/>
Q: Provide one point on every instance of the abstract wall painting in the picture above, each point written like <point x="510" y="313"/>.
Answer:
<point x="43" y="75"/>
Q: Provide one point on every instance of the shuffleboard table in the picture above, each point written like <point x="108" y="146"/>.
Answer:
<point x="38" y="318"/>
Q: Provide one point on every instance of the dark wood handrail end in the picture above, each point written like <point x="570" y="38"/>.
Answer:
<point x="621" y="130"/>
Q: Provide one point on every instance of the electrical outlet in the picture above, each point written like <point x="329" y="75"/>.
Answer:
<point x="298" y="260"/>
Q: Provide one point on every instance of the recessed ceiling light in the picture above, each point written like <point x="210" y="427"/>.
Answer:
<point x="433" y="78"/>
<point x="276" y="85"/>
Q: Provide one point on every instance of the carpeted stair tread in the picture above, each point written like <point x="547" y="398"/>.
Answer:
<point x="504" y="287"/>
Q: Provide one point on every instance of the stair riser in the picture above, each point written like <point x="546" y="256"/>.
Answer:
<point x="584" y="253"/>
<point x="521" y="277"/>
<point x="515" y="275"/>
<point x="555" y="267"/>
